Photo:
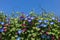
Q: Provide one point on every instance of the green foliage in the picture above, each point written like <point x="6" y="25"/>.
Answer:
<point x="30" y="31"/>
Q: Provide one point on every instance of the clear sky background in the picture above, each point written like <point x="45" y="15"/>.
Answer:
<point x="27" y="5"/>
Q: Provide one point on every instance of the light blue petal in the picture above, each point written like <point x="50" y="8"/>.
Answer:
<point x="18" y="38"/>
<point x="19" y="31"/>
<point x="32" y="18"/>
<point x="29" y="20"/>
<point x="53" y="18"/>
<point x="2" y="23"/>
<point x="52" y="23"/>
<point x="40" y="21"/>
<point x="45" y="21"/>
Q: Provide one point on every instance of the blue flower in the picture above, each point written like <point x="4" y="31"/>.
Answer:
<point x="29" y="20"/>
<point x="19" y="31"/>
<point x="52" y="23"/>
<point x="1" y="30"/>
<point x="26" y="18"/>
<point x="2" y="23"/>
<point x="53" y="18"/>
<point x="43" y="25"/>
<point x="18" y="38"/>
<point x="46" y="21"/>
<point x="32" y="18"/>
<point x="27" y="15"/>
<point x="40" y="21"/>
<point x="38" y="26"/>
<point x="58" y="20"/>
<point x="22" y="18"/>
<point x="7" y="19"/>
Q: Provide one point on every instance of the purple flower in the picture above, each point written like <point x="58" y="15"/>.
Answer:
<point x="19" y="31"/>
<point x="32" y="18"/>
<point x="52" y="23"/>
<point x="22" y="18"/>
<point x="29" y="20"/>
<point x="58" y="20"/>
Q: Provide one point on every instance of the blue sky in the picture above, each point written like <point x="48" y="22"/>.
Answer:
<point x="27" y="5"/>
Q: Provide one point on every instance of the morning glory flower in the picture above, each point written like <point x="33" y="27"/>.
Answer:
<point x="29" y="20"/>
<point x="27" y="15"/>
<point x="19" y="31"/>
<point x="58" y="20"/>
<point x="18" y="38"/>
<point x="32" y="18"/>
<point x="53" y="18"/>
<point x="52" y="23"/>
<point x="38" y="26"/>
<point x="22" y="18"/>
<point x="40" y="21"/>
<point x="7" y="19"/>
<point x="43" y="25"/>
<point x="26" y="18"/>
<point x="45" y="21"/>
<point x="2" y="23"/>
<point x="1" y="30"/>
